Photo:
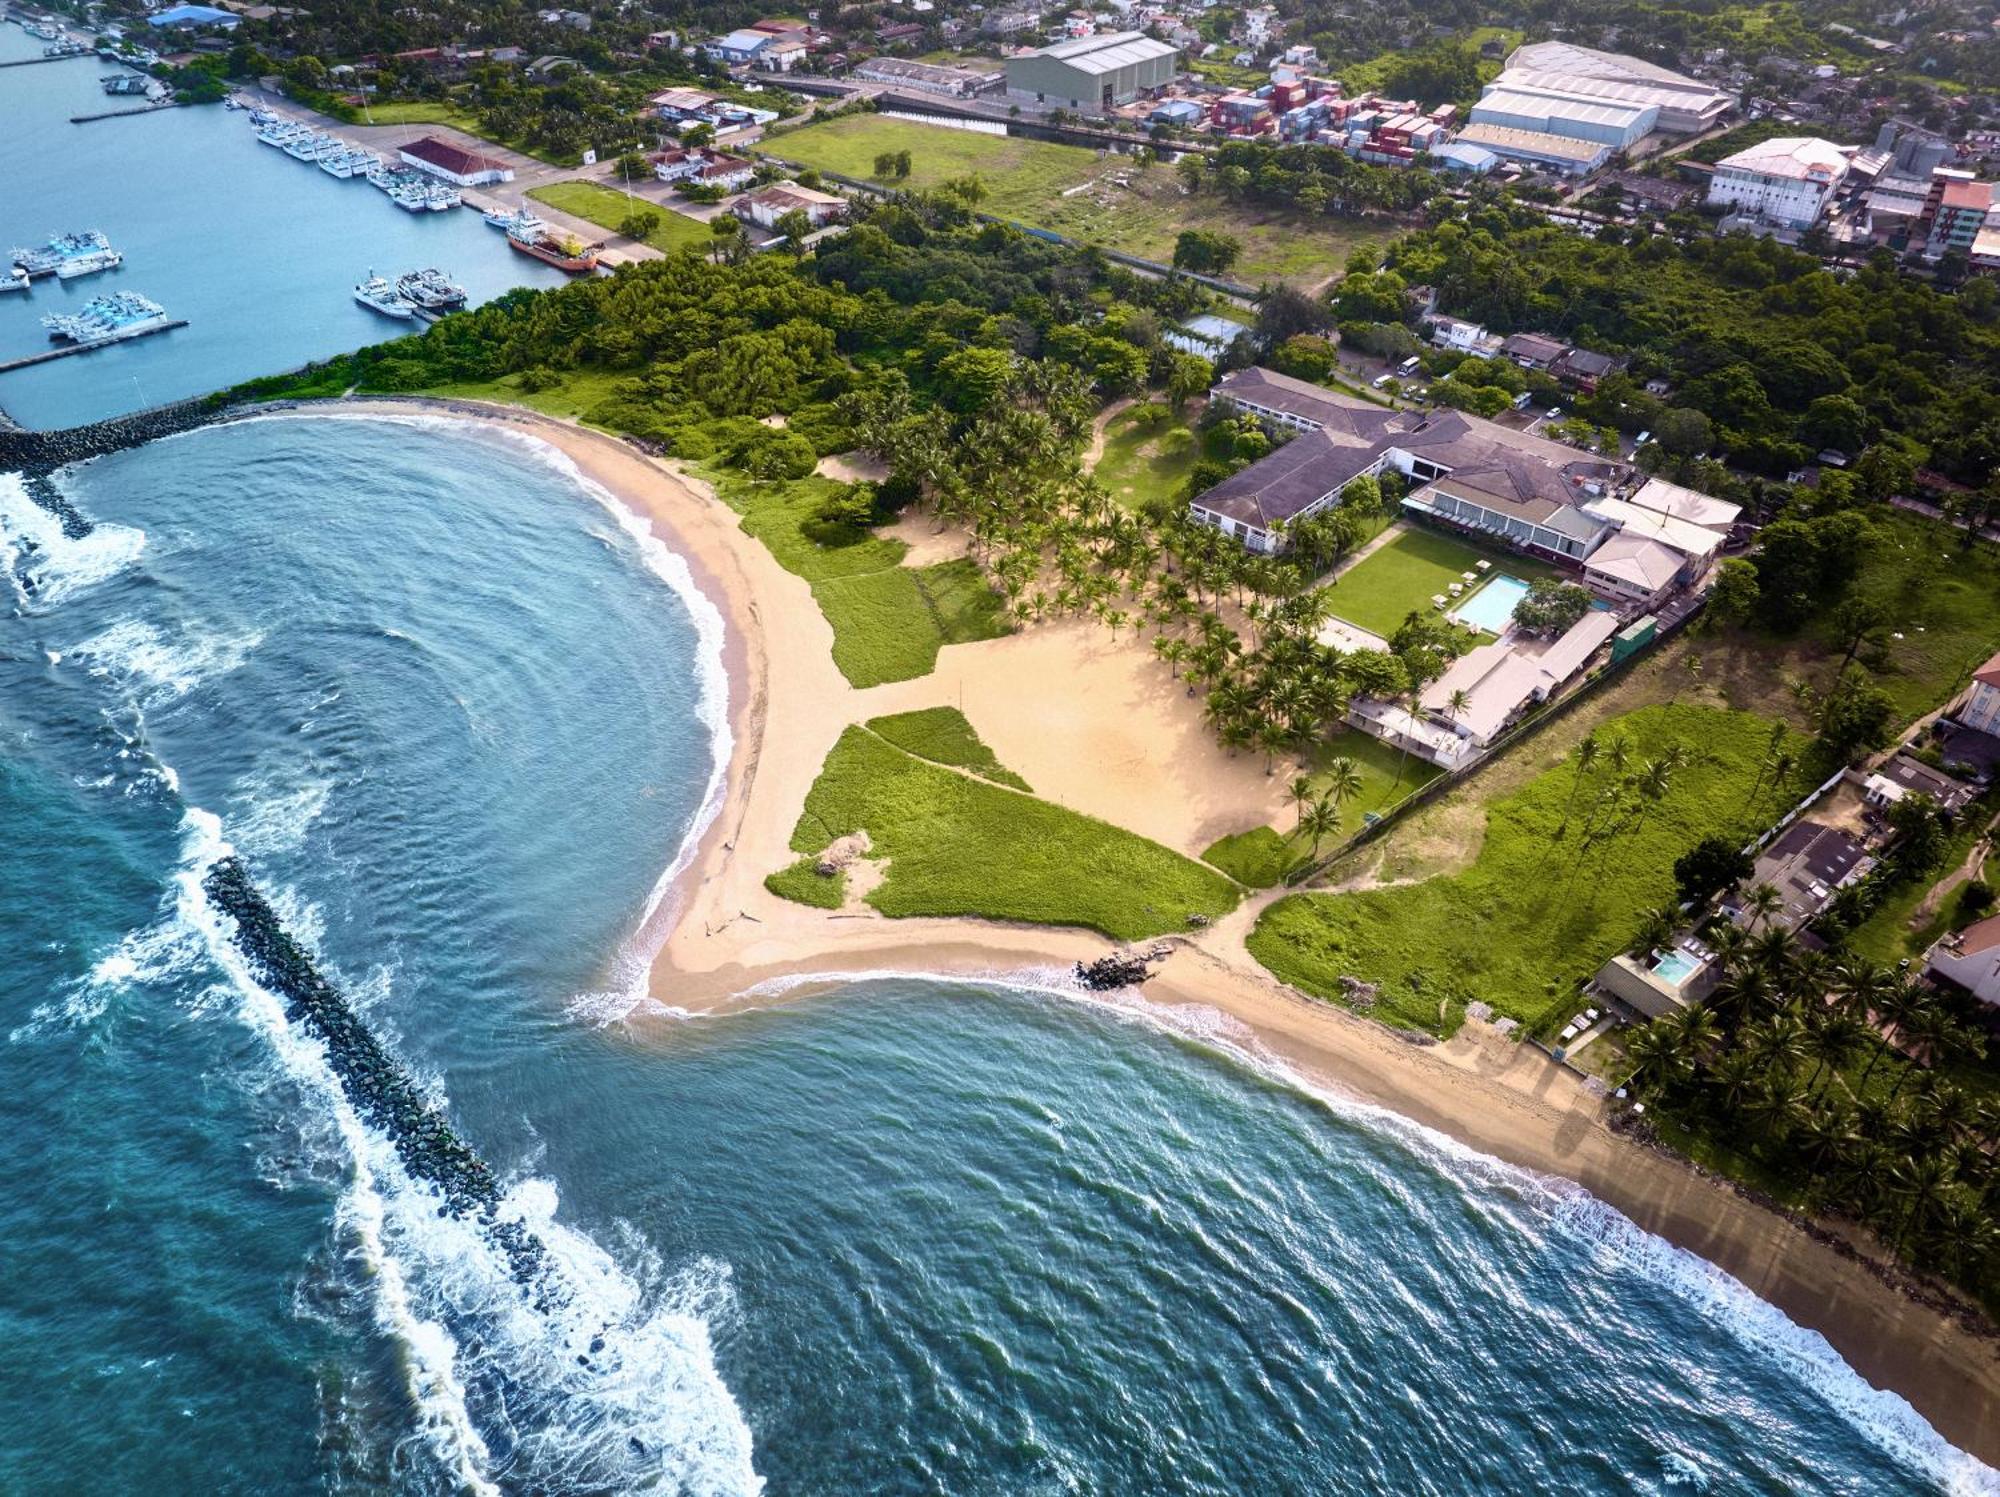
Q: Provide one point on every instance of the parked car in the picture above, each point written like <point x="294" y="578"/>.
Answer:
<point x="1641" y="440"/>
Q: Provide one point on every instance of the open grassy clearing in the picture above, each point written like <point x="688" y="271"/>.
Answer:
<point x="956" y="845"/>
<point x="889" y="620"/>
<point x="943" y="736"/>
<point x="1386" y="774"/>
<point x="1257" y="859"/>
<point x="574" y="392"/>
<point x="450" y="113"/>
<point x="1528" y="920"/>
<point x="1026" y="179"/>
<point x="1401" y="577"/>
<point x="1145" y="460"/>
<point x="1888" y="935"/>
<point x="608" y="208"/>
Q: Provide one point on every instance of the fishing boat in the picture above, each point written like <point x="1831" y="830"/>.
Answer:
<point x="562" y="252"/>
<point x="50" y="258"/>
<point x="105" y="319"/>
<point x="89" y="263"/>
<point x="431" y="292"/>
<point x="378" y="295"/>
<point x="13" y="278"/>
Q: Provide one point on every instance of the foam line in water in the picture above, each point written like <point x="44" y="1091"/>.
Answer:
<point x="631" y="965"/>
<point x="1883" y="1418"/>
<point x="590" y="1381"/>
<point x="46" y="564"/>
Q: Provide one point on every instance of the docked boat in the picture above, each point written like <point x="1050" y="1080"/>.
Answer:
<point x="66" y="49"/>
<point x="105" y="319"/>
<point x="89" y="264"/>
<point x="378" y="295"/>
<point x="280" y="132"/>
<point x="410" y="197"/>
<point x="431" y="292"/>
<point x="13" y="278"/>
<point x="59" y="251"/>
<point x="440" y="198"/>
<point x="562" y="251"/>
<point x="523" y="221"/>
<point x="347" y="162"/>
<point x="306" y="145"/>
<point x="127" y="83"/>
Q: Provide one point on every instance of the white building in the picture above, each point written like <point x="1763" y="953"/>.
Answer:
<point x="1787" y="181"/>
<point x="1971" y="959"/>
<point x="1980" y="711"/>
<point x="454" y="164"/>
<point x="1559" y="74"/>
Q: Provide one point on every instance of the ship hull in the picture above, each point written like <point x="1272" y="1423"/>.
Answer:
<point x="574" y="264"/>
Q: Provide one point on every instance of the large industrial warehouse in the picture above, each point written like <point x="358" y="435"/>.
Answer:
<point x="1093" y="74"/>
<point x="1556" y="89"/>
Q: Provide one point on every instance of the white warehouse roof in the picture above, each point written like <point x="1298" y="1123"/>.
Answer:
<point x="1108" y="53"/>
<point x="1571" y="61"/>
<point x="1557" y="106"/>
<point x="1802" y="158"/>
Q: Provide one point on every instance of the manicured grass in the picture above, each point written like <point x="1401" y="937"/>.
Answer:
<point x="576" y="391"/>
<point x="803" y="883"/>
<point x="1258" y="858"/>
<point x="1387" y="775"/>
<point x="957" y="846"/>
<point x="607" y="208"/>
<point x="943" y="736"/>
<point x="1401" y="577"/>
<point x="1145" y="460"/>
<point x="1527" y="921"/>
<point x="1025" y="181"/>
<point x="889" y="621"/>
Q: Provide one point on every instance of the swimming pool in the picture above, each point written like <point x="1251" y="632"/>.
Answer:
<point x="1492" y="606"/>
<point x="1675" y="967"/>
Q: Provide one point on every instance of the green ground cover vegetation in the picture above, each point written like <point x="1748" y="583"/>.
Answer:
<point x="1559" y="886"/>
<point x="1257" y="859"/>
<point x="957" y="845"/>
<point x="1147" y="456"/>
<point x="609" y="208"/>
<point x="1406" y="571"/>
<point x="803" y="883"/>
<point x="943" y="736"/>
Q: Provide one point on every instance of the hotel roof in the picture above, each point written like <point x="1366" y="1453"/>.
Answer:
<point x="1686" y="504"/>
<point x="1637" y="559"/>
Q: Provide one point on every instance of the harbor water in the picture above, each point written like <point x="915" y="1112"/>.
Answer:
<point x="258" y="251"/>
<point x="456" y="716"/>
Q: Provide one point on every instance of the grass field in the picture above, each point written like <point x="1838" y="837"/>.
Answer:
<point x="449" y="113"/>
<point x="1887" y="935"/>
<point x="943" y="736"/>
<point x="1026" y="179"/>
<point x="607" y="208"/>
<point x="889" y="621"/>
<point x="1145" y="460"/>
<point x="577" y="391"/>
<point x="1386" y="774"/>
<point x="1406" y="571"/>
<point x="1526" y="921"/>
<point x="956" y="845"/>
<point x="1258" y="858"/>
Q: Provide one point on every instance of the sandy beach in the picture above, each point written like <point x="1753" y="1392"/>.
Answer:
<point x="1112" y="738"/>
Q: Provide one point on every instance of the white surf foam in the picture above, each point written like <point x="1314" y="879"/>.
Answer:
<point x="614" y="1389"/>
<point x="157" y="670"/>
<point x="58" y="566"/>
<point x="1883" y="1418"/>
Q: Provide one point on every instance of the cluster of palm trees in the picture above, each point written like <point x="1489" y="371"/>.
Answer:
<point x="1319" y="806"/>
<point x="1839" y="1076"/>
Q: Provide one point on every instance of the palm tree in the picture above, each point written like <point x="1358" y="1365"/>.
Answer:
<point x="1321" y="820"/>
<point x="1760" y="902"/>
<point x="1300" y="794"/>
<point x="1343" y="780"/>
<point x="1736" y="1077"/>
<point x="1585" y="756"/>
<point x="1833" y="1042"/>
<point x="1661" y="1056"/>
<point x="1656" y="928"/>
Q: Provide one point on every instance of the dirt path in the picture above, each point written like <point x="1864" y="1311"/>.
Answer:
<point x="1098" y="428"/>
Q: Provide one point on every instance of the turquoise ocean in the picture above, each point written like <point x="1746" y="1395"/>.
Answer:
<point x="458" y="717"/>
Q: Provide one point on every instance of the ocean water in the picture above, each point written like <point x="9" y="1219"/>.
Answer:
<point x="259" y="252"/>
<point x="911" y="1237"/>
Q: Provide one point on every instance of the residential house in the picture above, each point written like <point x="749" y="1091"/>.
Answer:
<point x="739" y="49"/>
<point x="1464" y="337"/>
<point x="1807" y="864"/>
<point x="766" y="207"/>
<point x="1970" y="959"/>
<point x="1532" y="350"/>
<point x="1980" y="708"/>
<point x="1904" y="776"/>
<point x="703" y="167"/>
<point x="1582" y="368"/>
<point x="1501" y="679"/>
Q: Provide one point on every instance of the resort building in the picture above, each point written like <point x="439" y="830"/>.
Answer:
<point x="1502" y="679"/>
<point x="1661" y="983"/>
<point x="1786" y="182"/>
<point x="1093" y="74"/>
<point x="465" y="168"/>
<point x="1536" y="495"/>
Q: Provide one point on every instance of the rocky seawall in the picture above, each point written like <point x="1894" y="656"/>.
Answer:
<point x="375" y="1085"/>
<point x="40" y="453"/>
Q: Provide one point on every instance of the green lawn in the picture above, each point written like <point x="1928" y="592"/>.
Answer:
<point x="576" y="391"/>
<point x="1386" y="774"/>
<point x="956" y="845"/>
<point x="1025" y="181"/>
<point x="1527" y="921"/>
<point x="1258" y="858"/>
<point x="607" y="208"/>
<point x="943" y="736"/>
<point x="1404" y="574"/>
<point x="1145" y="460"/>
<point x="449" y="113"/>
<point x="889" y="620"/>
<point x="1886" y="935"/>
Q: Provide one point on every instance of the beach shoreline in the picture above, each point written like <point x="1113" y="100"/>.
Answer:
<point x="718" y="941"/>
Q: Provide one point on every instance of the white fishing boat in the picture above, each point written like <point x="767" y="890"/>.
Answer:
<point x="378" y="295"/>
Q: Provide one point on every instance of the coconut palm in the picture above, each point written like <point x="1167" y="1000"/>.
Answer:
<point x="1760" y="902"/>
<point x="1321" y="820"/>
<point x="1300" y="794"/>
<point x="1584" y="755"/>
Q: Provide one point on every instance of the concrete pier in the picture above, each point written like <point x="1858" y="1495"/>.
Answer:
<point x="75" y="348"/>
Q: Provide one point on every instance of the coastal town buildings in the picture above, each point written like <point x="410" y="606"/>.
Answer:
<point x="764" y="208"/>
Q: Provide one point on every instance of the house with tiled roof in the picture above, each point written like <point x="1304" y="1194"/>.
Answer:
<point x="1970" y="959"/>
<point x="1980" y="710"/>
<point x="454" y="163"/>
